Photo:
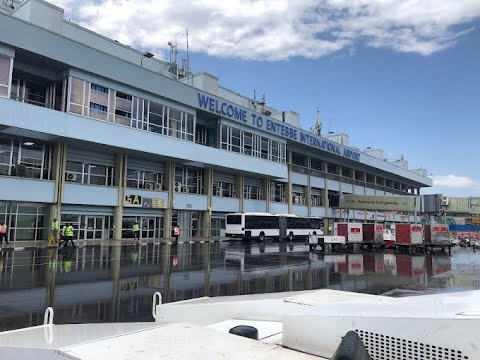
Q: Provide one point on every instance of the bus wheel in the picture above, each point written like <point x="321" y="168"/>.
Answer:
<point x="290" y="236"/>
<point x="261" y="237"/>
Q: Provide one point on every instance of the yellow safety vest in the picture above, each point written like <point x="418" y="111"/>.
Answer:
<point x="64" y="230"/>
<point x="69" y="230"/>
<point x="55" y="225"/>
<point x="136" y="227"/>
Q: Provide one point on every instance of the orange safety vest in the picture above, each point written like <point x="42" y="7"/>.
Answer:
<point x="176" y="231"/>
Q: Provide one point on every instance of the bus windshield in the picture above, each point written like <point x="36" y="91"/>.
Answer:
<point x="234" y="219"/>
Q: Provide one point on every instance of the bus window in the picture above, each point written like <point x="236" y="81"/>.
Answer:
<point x="234" y="219"/>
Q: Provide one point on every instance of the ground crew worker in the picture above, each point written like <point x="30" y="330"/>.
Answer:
<point x="136" y="231"/>
<point x="3" y="234"/>
<point x="69" y="233"/>
<point x="64" y="235"/>
<point x="330" y="229"/>
<point x="55" y="228"/>
<point x="176" y="233"/>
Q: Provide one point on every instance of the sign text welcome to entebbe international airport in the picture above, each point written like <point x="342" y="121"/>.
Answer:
<point x="233" y="112"/>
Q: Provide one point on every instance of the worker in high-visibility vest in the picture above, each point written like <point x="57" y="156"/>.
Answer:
<point x="55" y="227"/>
<point x="136" y="231"/>
<point x="3" y="233"/>
<point x="69" y="232"/>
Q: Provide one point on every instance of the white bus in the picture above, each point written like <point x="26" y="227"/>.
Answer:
<point x="264" y="225"/>
<point x="252" y="226"/>
<point x="302" y="227"/>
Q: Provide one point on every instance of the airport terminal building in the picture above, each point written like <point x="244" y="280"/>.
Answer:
<point x="101" y="135"/>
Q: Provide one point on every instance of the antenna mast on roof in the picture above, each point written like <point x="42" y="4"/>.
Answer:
<point x="173" y="66"/>
<point x="186" y="62"/>
<point x="317" y="126"/>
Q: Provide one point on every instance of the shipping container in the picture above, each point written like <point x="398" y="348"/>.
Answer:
<point x="372" y="233"/>
<point x="368" y="233"/>
<point x="409" y="234"/>
<point x="428" y="233"/>
<point x="416" y="234"/>
<point x="402" y="234"/>
<point x="352" y="231"/>
<point x="440" y="235"/>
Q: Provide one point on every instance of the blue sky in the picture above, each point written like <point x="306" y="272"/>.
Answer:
<point x="398" y="75"/>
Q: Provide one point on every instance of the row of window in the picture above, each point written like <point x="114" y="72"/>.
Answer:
<point x="91" y="174"/>
<point x="24" y="221"/>
<point x="24" y="159"/>
<point x="250" y="144"/>
<point x="92" y="100"/>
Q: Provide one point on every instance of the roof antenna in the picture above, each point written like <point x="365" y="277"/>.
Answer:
<point x="317" y="125"/>
<point x="187" y="64"/>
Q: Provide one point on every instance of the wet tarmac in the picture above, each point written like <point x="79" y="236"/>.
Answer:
<point x="116" y="283"/>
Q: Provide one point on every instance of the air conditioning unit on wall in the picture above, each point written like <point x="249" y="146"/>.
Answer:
<point x="178" y="186"/>
<point x="157" y="186"/>
<point x="71" y="177"/>
<point x="148" y="186"/>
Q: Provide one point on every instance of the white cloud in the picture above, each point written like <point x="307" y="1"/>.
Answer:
<point x="279" y="29"/>
<point x="453" y="181"/>
<point x="453" y="185"/>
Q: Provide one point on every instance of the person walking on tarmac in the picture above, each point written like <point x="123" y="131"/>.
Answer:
<point x="136" y="231"/>
<point x="3" y="234"/>
<point x="69" y="233"/>
<point x="63" y="236"/>
<point x="176" y="233"/>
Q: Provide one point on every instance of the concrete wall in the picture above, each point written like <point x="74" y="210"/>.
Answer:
<point x="300" y="210"/>
<point x="90" y="195"/>
<point x="278" y="208"/>
<point x="317" y="182"/>
<point x="225" y="204"/>
<point x="254" y="206"/>
<point x="30" y="190"/>
<point x="299" y="179"/>
<point x="190" y="202"/>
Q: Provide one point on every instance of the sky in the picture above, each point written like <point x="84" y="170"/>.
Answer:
<point x="398" y="75"/>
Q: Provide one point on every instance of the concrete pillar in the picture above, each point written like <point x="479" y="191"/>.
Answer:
<point x="169" y="179"/>
<point x="339" y="173"/>
<point x="239" y="187"/>
<point x="207" y="218"/>
<point x="308" y="190"/>
<point x="59" y="161"/>
<point x="266" y="194"/>
<point x="289" y="185"/>
<point x="353" y="181"/>
<point x="120" y="178"/>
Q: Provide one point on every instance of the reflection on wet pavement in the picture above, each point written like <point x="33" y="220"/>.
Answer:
<point x="105" y="284"/>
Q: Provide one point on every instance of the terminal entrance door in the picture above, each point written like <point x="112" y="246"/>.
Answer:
<point x="189" y="222"/>
<point x="94" y="226"/>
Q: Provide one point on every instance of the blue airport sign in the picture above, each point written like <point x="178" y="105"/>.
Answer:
<point x="230" y="111"/>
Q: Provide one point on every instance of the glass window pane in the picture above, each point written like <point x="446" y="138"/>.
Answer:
<point x="4" y="70"/>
